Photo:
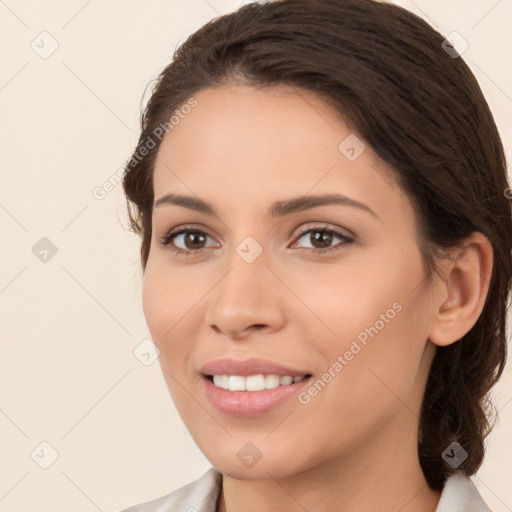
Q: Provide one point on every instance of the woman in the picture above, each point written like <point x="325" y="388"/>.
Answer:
<point x="320" y="189"/>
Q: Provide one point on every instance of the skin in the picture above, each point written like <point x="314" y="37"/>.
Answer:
<point x="354" y="445"/>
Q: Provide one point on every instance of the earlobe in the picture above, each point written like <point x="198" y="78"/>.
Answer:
<point x="462" y="295"/>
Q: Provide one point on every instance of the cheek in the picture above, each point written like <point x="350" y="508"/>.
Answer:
<point x="171" y="307"/>
<point x="381" y="371"/>
<point x="154" y="303"/>
<point x="165" y="298"/>
<point x="369" y="389"/>
<point x="378" y="323"/>
<point x="349" y="302"/>
<point x="163" y="304"/>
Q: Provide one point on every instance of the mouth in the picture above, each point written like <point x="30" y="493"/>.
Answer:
<point x="250" y="387"/>
<point x="254" y="383"/>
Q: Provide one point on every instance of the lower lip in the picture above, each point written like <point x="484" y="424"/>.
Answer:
<point x="246" y="404"/>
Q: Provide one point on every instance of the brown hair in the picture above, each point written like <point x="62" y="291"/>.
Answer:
<point x="385" y="70"/>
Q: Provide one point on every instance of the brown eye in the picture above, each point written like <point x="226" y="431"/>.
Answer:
<point x="191" y="240"/>
<point x="187" y="241"/>
<point x="321" y="238"/>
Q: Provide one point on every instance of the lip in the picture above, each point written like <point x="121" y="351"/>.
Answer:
<point x="227" y="366"/>
<point x="247" y="404"/>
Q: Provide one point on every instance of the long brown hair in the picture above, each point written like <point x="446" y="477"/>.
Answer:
<point x="386" y="71"/>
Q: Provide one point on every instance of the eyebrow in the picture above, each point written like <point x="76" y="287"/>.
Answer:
<point x="278" y="209"/>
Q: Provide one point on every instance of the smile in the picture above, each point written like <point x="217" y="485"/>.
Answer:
<point x="253" y="382"/>
<point x="250" y="387"/>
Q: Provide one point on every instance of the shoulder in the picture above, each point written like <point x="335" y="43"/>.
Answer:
<point x="200" y="495"/>
<point x="461" y="495"/>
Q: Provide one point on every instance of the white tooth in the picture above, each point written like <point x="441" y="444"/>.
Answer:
<point x="255" y="383"/>
<point x="236" y="383"/>
<point x="271" y="381"/>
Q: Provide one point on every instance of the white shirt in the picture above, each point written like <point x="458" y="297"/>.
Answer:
<point x="458" y="495"/>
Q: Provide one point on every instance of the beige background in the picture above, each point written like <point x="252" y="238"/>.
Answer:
<point x="69" y="326"/>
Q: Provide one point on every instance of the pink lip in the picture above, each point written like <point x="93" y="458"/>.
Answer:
<point x="246" y="404"/>
<point x="246" y="367"/>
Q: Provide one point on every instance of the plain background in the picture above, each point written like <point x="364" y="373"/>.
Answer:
<point x="71" y="321"/>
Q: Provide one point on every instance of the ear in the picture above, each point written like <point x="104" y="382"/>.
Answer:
<point x="463" y="293"/>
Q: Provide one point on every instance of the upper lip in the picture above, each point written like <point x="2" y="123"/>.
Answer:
<point x="246" y="367"/>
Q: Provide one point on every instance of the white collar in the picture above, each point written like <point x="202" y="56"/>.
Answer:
<point x="459" y="495"/>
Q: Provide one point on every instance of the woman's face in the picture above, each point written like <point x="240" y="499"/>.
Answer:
<point x="265" y="279"/>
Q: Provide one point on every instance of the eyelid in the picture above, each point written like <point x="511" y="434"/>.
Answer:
<point x="192" y="227"/>
<point x="320" y="226"/>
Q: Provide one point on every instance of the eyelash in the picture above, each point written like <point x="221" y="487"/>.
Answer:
<point x="169" y="237"/>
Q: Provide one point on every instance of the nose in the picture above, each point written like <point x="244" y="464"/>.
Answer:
<point x="249" y="299"/>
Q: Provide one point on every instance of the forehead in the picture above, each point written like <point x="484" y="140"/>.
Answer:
<point x="231" y="120"/>
<point x="255" y="143"/>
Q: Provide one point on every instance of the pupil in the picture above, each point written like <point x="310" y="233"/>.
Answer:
<point x="323" y="237"/>
<point x="191" y="237"/>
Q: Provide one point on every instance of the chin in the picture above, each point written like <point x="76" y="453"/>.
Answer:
<point x="232" y="464"/>
<point x="260" y="471"/>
